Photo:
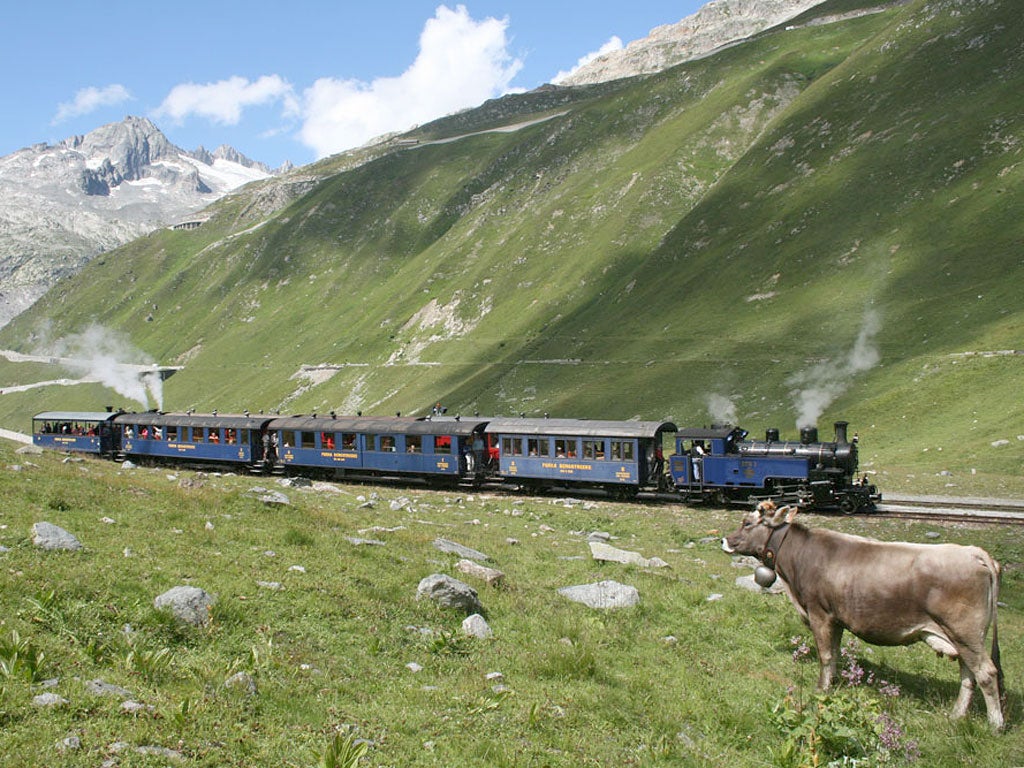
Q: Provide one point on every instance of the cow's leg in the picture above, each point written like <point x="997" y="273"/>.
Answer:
<point x="983" y="672"/>
<point x="978" y="669"/>
<point x="963" y="701"/>
<point x="828" y="637"/>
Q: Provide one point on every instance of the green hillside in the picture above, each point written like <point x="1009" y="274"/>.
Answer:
<point x="826" y="221"/>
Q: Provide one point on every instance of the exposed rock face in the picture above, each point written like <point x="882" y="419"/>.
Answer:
<point x="127" y="149"/>
<point x="716" y="24"/>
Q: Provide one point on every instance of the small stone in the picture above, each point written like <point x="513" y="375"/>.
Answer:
<point x="48" y="700"/>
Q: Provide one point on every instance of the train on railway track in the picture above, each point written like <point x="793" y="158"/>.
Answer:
<point x="625" y="459"/>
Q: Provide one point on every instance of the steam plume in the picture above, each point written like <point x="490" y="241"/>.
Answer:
<point x="721" y="409"/>
<point x="103" y="355"/>
<point x="815" y="389"/>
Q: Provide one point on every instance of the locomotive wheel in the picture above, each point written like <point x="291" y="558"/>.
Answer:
<point x="848" y="505"/>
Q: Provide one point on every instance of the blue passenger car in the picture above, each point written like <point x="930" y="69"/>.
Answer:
<point x="354" y="446"/>
<point x="80" y="431"/>
<point x="210" y="438"/>
<point x="622" y="457"/>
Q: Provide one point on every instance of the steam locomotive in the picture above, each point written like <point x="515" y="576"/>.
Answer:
<point x="721" y="465"/>
<point x="621" y="458"/>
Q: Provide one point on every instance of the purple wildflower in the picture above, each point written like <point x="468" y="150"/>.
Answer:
<point x="889" y="690"/>
<point x="800" y="647"/>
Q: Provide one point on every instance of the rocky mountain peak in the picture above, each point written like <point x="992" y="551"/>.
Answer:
<point x="718" y="23"/>
<point x="232" y="155"/>
<point x="127" y="148"/>
<point x="65" y="203"/>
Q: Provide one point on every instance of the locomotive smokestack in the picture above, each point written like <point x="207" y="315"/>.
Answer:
<point x="771" y="435"/>
<point x="808" y="435"/>
<point x="841" y="432"/>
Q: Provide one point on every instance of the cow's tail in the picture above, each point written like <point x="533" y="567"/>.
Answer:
<point x="996" y="576"/>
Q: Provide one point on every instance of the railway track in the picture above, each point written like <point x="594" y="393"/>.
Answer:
<point x="955" y="510"/>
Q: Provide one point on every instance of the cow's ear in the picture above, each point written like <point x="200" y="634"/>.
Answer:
<point x="791" y="513"/>
<point x="776" y="517"/>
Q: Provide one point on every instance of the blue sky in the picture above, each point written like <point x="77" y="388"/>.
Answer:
<point x="292" y="80"/>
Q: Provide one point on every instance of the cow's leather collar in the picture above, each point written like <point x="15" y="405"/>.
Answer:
<point x="771" y="549"/>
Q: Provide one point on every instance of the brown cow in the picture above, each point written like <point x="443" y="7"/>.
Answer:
<point x="886" y="593"/>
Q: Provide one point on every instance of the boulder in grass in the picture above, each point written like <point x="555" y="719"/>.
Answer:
<point x="477" y="626"/>
<point x="53" y="537"/>
<point x="449" y="593"/>
<point x="189" y="604"/>
<point x="603" y="594"/>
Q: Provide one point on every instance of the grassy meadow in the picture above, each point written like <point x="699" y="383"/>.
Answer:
<point x="700" y="673"/>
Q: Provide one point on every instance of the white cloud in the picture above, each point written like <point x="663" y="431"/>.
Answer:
<point x="223" y="101"/>
<point x="461" y="63"/>
<point x="614" y="44"/>
<point x="90" y="99"/>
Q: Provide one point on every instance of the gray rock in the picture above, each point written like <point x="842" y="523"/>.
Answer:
<point x="477" y="626"/>
<point x="356" y="541"/>
<point x="490" y="576"/>
<point x="131" y="707"/>
<point x="49" y="700"/>
<point x="103" y="688"/>
<point x="52" y="537"/>
<point x="452" y="548"/>
<point x="449" y="593"/>
<point x="606" y="552"/>
<point x="603" y="594"/>
<point x="190" y="604"/>
<point x="275" y="499"/>
<point x="164" y="752"/>
<point x="748" y="583"/>
<point x="241" y="681"/>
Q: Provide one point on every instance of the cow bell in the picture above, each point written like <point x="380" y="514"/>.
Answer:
<point x="764" y="576"/>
